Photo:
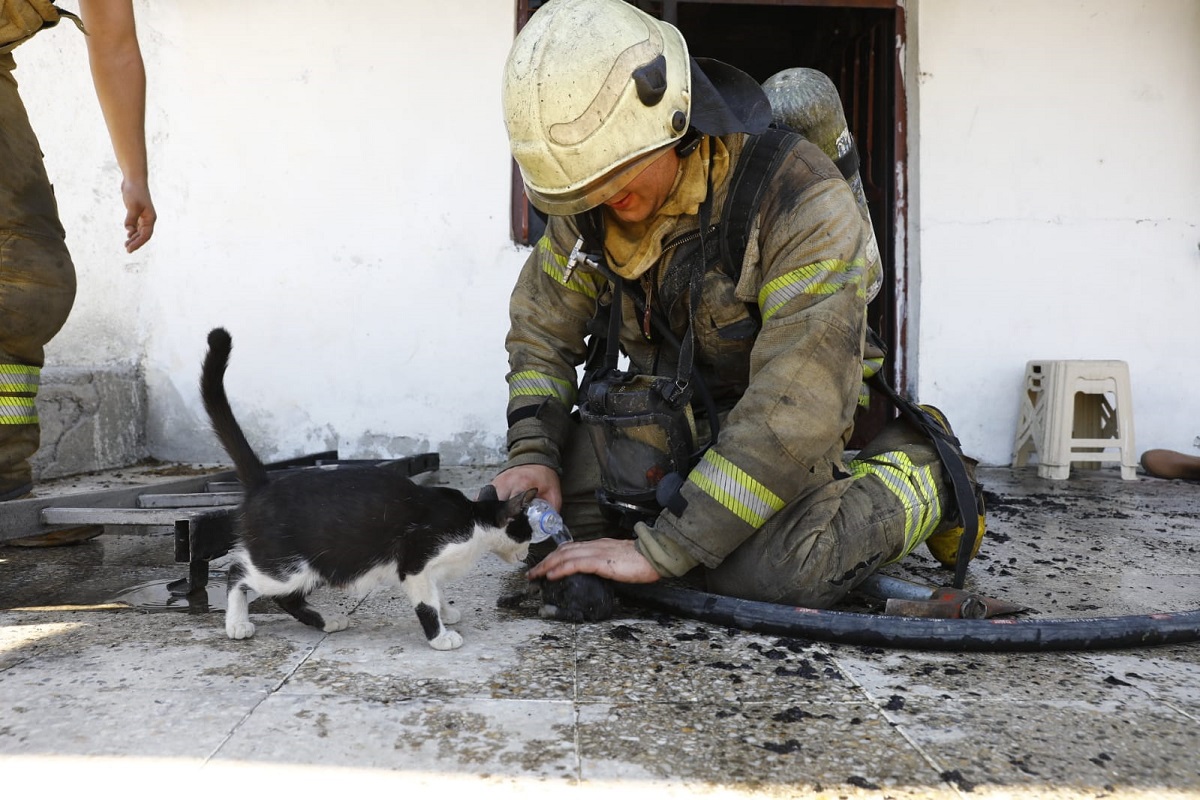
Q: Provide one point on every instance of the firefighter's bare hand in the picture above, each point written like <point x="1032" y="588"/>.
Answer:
<point x="616" y="559"/>
<point x="529" y="476"/>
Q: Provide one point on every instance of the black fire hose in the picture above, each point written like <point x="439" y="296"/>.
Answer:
<point x="878" y="630"/>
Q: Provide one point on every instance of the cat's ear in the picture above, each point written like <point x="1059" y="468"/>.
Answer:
<point x="488" y="492"/>
<point x="517" y="504"/>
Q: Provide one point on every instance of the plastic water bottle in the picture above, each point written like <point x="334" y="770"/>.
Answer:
<point x="546" y="523"/>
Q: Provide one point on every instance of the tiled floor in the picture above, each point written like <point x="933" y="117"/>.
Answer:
<point x="163" y="704"/>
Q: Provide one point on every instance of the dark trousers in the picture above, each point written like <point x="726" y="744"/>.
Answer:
<point x="37" y="280"/>
<point x="817" y="548"/>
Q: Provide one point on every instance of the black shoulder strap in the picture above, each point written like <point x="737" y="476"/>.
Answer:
<point x="601" y="337"/>
<point x="759" y="160"/>
<point x="590" y="225"/>
<point x="950" y="453"/>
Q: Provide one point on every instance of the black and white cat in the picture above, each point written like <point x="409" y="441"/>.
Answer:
<point x="353" y="528"/>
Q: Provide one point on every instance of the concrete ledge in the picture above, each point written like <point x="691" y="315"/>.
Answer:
<point x="92" y="419"/>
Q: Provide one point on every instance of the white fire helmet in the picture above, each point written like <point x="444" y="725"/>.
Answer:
<point x="596" y="90"/>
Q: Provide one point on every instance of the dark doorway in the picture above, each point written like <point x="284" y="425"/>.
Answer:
<point x="857" y="43"/>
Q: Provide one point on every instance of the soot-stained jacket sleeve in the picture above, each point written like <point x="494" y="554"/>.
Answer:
<point x="785" y="436"/>
<point x="549" y="310"/>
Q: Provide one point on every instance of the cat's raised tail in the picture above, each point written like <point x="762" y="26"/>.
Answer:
<point x="250" y="469"/>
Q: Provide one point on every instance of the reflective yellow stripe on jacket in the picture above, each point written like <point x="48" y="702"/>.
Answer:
<point x="538" y="384"/>
<point x="823" y="277"/>
<point x="734" y="489"/>
<point x="555" y="265"/>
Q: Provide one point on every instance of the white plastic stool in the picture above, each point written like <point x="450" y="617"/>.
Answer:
<point x="1067" y="416"/>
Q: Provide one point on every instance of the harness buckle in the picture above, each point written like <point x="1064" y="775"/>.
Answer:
<point x="576" y="258"/>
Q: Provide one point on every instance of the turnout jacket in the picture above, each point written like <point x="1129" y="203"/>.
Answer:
<point x="780" y="348"/>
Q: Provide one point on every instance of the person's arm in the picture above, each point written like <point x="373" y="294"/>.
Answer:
<point x="119" y="76"/>
<point x="549" y="310"/>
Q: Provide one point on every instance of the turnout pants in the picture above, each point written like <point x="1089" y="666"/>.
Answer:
<point x="819" y="547"/>
<point x="37" y="282"/>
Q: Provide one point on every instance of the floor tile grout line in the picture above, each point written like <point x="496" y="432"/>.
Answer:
<point x="237" y="726"/>
<point x="575" y="705"/>
<point x="267" y="695"/>
<point x="1179" y="710"/>
<point x="894" y="723"/>
<point x="1149" y="693"/>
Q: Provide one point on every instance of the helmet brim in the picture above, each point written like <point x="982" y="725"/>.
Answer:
<point x="587" y="197"/>
<point x="726" y="100"/>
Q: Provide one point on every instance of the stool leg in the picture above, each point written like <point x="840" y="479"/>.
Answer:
<point x="1129" y="456"/>
<point x="1031" y="415"/>
<point x="1054" y="473"/>
<point x="1054" y="456"/>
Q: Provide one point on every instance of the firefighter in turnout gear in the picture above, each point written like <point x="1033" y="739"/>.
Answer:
<point x="751" y="363"/>
<point x="37" y="276"/>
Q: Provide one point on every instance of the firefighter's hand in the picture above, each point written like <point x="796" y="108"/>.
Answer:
<point x="529" y="476"/>
<point x="616" y="559"/>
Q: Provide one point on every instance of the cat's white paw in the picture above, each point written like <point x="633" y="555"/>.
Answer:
<point x="450" y="640"/>
<point x="335" y="622"/>
<point x="450" y="615"/>
<point x="239" y="630"/>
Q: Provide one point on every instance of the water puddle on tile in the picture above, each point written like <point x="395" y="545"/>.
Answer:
<point x="174" y="596"/>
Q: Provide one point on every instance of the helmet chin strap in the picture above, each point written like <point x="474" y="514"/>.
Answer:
<point x="688" y="143"/>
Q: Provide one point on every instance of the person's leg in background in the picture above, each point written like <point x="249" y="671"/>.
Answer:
<point x="1171" y="465"/>
<point x="37" y="288"/>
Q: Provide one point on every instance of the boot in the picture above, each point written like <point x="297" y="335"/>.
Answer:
<point x="62" y="538"/>
<point x="15" y="489"/>
<point x="943" y="543"/>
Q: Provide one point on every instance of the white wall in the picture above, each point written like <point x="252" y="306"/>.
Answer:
<point x="1059" y="213"/>
<point x="333" y="188"/>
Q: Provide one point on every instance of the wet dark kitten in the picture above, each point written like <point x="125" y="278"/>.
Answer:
<point x="352" y="529"/>
<point x="576" y="598"/>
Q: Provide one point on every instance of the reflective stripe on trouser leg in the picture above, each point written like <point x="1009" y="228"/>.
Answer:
<point x="18" y="385"/>
<point x="915" y="487"/>
<point x="816" y="549"/>
<point x="19" y="431"/>
<point x="18" y="411"/>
